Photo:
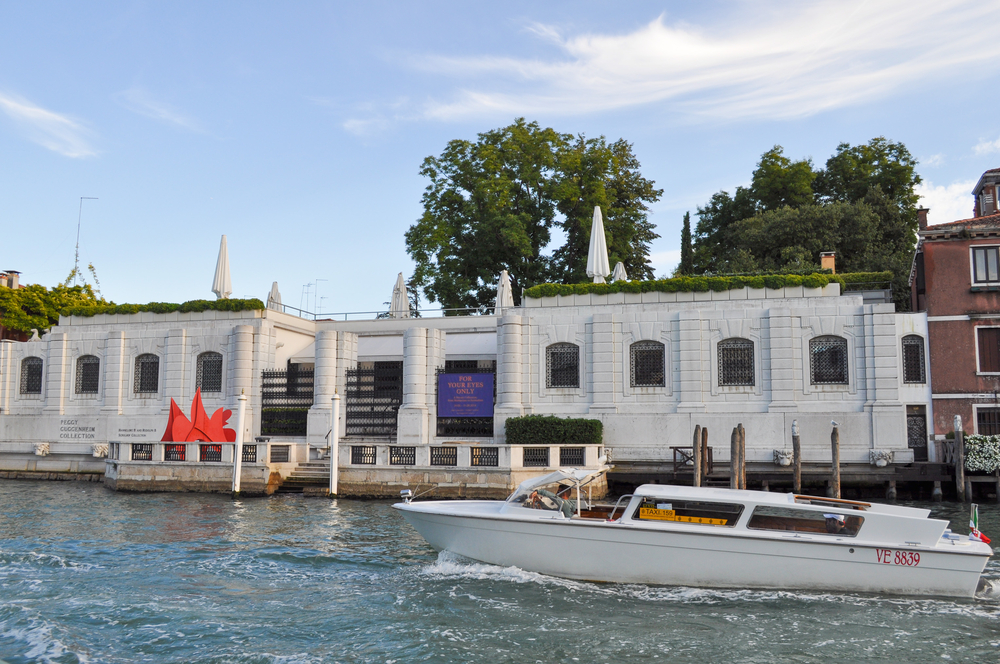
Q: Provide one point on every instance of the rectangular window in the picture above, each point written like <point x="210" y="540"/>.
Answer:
<point x="485" y="456"/>
<point x="174" y="452"/>
<point x="985" y="265"/>
<point x="989" y="349"/>
<point x="766" y="517"/>
<point x="988" y="421"/>
<point x="249" y="454"/>
<point x="570" y="456"/>
<point x="536" y="457"/>
<point x="688" y="511"/>
<point x="648" y="367"/>
<point x="402" y="456"/>
<point x="211" y="453"/>
<point x="363" y="455"/>
<point x="142" y="452"/>
<point x="444" y="456"/>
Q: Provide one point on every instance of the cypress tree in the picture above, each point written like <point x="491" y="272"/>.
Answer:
<point x="687" y="253"/>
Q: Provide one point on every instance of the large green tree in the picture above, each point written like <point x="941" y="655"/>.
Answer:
<point x="492" y="203"/>
<point x="37" y="307"/>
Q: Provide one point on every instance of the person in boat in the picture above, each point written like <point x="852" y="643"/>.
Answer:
<point x="835" y="524"/>
<point x="546" y="500"/>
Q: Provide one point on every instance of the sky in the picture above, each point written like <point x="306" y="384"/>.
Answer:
<point x="298" y="129"/>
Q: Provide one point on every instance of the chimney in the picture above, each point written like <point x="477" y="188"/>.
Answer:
<point x="922" y="218"/>
<point x="12" y="278"/>
<point x="828" y="261"/>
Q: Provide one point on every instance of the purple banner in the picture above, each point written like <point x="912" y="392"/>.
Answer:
<point x="465" y="395"/>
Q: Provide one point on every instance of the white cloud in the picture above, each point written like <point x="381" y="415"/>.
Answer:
<point x="772" y="61"/>
<point x="57" y="132"/>
<point x="138" y="100"/>
<point x="933" y="160"/>
<point x="987" y="147"/>
<point x="946" y="202"/>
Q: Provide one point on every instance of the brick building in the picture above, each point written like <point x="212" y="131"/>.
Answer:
<point x="956" y="280"/>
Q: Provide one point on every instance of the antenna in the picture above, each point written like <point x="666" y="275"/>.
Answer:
<point x="316" y="298"/>
<point x="79" y="218"/>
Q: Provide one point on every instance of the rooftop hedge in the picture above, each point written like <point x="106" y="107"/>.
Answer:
<point x="703" y="284"/>
<point x="166" y="307"/>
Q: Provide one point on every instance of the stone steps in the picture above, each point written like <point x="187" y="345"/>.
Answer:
<point x="306" y="477"/>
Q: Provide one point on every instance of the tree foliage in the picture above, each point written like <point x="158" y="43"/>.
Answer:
<point x="37" y="307"/>
<point x="686" y="265"/>
<point x="491" y="205"/>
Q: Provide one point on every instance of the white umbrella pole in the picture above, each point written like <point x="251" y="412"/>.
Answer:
<point x="238" y="448"/>
<point x="334" y="444"/>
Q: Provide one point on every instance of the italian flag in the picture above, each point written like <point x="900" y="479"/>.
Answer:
<point x="974" y="526"/>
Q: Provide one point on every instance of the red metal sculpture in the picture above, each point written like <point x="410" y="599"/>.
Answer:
<point x="203" y="428"/>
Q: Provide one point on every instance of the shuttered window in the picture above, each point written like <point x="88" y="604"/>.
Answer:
<point x="989" y="349"/>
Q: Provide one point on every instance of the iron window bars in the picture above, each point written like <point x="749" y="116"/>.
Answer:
<point x="147" y="374"/>
<point x="828" y="361"/>
<point x="372" y="399"/>
<point x="31" y="375"/>
<point x="286" y="396"/>
<point x="562" y="365"/>
<point x="142" y="451"/>
<point x="571" y="456"/>
<point x="485" y="456"/>
<point x="88" y="374"/>
<point x="444" y="456"/>
<point x="249" y="453"/>
<point x="736" y="362"/>
<point x="648" y="364"/>
<point x="535" y="457"/>
<point x="208" y="375"/>
<point x="211" y="452"/>
<point x="176" y="452"/>
<point x="363" y="455"/>
<point x="279" y="453"/>
<point x="402" y="456"/>
<point x="914" y="369"/>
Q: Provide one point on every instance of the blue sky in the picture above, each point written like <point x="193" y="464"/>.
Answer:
<point x="297" y="129"/>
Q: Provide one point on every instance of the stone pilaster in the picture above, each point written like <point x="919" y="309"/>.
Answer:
<point x="510" y="360"/>
<point x="241" y="342"/>
<point x="55" y="388"/>
<point x="324" y="382"/>
<point x="114" y="368"/>
<point x="175" y="362"/>
<point x="692" y="363"/>
<point x="781" y="343"/>
<point x="601" y="374"/>
<point x="412" y="422"/>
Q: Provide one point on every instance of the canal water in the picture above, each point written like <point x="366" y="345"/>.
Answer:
<point x="88" y="575"/>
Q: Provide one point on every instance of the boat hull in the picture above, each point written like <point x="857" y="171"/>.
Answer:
<point x="623" y="553"/>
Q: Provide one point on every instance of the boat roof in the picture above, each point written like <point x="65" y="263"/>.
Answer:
<point x="574" y="475"/>
<point x="774" y="498"/>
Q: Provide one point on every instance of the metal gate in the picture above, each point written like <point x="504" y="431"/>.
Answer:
<point x="286" y="397"/>
<point x="916" y="432"/>
<point x="372" y="399"/>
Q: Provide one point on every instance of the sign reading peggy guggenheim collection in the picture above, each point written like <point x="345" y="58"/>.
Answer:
<point x="465" y="395"/>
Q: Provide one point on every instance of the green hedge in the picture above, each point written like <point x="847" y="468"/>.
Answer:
<point x="687" y="284"/>
<point x="551" y="430"/>
<point x="866" y="277"/>
<point x="166" y="307"/>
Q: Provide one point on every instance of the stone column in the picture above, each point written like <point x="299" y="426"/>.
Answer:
<point x="114" y="367"/>
<point x="437" y="341"/>
<point x="241" y="341"/>
<point x="55" y="388"/>
<point x="325" y="380"/>
<point x="510" y="361"/>
<point x="347" y="358"/>
<point x="412" y="418"/>
<point x="602" y="372"/>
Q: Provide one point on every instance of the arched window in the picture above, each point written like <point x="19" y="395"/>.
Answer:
<point x="736" y="362"/>
<point x="88" y="374"/>
<point x="147" y="374"/>
<point x="828" y="361"/>
<point x="562" y="365"/>
<point x="914" y="365"/>
<point x="209" y="373"/>
<point x="31" y="375"/>
<point x="648" y="366"/>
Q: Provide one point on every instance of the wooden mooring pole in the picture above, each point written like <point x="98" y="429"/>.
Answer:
<point x="743" y="455"/>
<point x="796" y="458"/>
<point x="696" y="449"/>
<point x="704" y="453"/>
<point x="959" y="459"/>
<point x="835" y="444"/>
<point x="734" y="459"/>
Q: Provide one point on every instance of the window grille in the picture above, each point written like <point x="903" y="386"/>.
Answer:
<point x="485" y="456"/>
<point x="987" y="421"/>
<point x="209" y="372"/>
<point x="147" y="374"/>
<point x="736" y="362"/>
<point x="648" y="365"/>
<point x="279" y="453"/>
<point x="31" y="375"/>
<point x="916" y="431"/>
<point x="211" y="453"/>
<point x="571" y="456"/>
<point x="372" y="399"/>
<point x="828" y="361"/>
<point x="142" y="451"/>
<point x="562" y="365"/>
<point x="88" y="373"/>
<point x="249" y="454"/>
<point x="363" y="455"/>
<point x="444" y="456"/>
<point x="914" y="369"/>
<point x="989" y="349"/>
<point x="536" y="457"/>
<point x="286" y="396"/>
<point x="985" y="265"/>
<point x="174" y="452"/>
<point x="402" y="456"/>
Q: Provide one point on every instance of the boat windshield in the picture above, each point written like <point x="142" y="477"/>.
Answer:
<point x="554" y="497"/>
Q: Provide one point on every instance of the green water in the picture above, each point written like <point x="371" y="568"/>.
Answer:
<point x="87" y="575"/>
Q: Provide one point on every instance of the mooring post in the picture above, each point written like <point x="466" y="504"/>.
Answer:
<point x="890" y="493"/>
<point x="835" y="444"/>
<point x="334" y="444"/>
<point x="796" y="458"/>
<point x="959" y="458"/>
<point x="734" y="460"/>
<point x="704" y="454"/>
<point x="936" y="494"/>
<point x="743" y="455"/>
<point x="696" y="450"/>
<point x="238" y="447"/>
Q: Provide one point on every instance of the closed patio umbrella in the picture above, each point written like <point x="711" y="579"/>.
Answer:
<point x="274" y="298"/>
<point x="505" y="293"/>
<point x="399" y="306"/>
<point x="597" y="258"/>
<point x="619" y="274"/>
<point x="223" y="285"/>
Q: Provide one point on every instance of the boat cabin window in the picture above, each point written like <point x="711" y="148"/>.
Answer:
<point x="688" y="511"/>
<point x="767" y="517"/>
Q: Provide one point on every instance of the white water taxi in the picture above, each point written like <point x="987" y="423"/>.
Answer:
<point x="721" y="538"/>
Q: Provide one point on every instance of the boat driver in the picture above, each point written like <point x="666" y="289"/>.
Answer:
<point x="835" y="524"/>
